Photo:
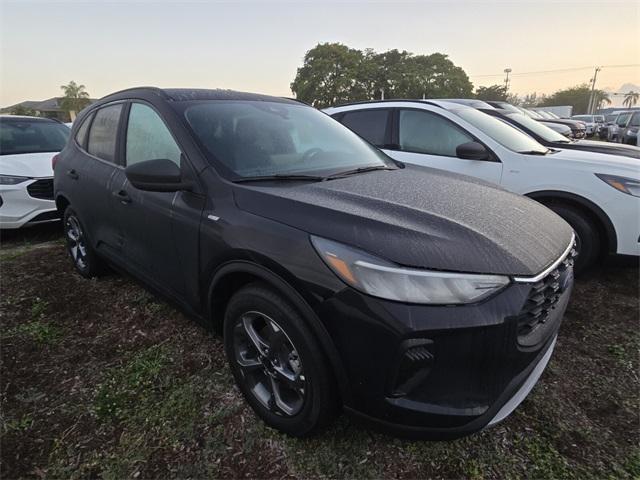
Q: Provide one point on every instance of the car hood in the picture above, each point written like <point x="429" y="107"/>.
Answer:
<point x="419" y="217"/>
<point x="598" y="162"/>
<point x="610" y="148"/>
<point x="27" y="164"/>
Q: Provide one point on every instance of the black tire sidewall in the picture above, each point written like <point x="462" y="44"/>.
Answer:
<point x="590" y="243"/>
<point x="319" y="402"/>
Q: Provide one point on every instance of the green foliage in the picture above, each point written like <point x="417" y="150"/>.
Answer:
<point x="40" y="332"/>
<point x="631" y="98"/>
<point x="75" y="97"/>
<point x="22" y="110"/>
<point x="577" y="96"/>
<point x="333" y="73"/>
<point x="493" y="92"/>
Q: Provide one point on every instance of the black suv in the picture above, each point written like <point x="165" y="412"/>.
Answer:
<point x="424" y="300"/>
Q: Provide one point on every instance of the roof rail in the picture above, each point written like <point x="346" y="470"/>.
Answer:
<point x="156" y="90"/>
<point x="388" y="100"/>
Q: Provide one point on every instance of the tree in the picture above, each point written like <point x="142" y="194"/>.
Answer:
<point x="494" y="92"/>
<point x="333" y="73"/>
<point x="630" y="99"/>
<point x="75" y="98"/>
<point x="577" y="96"/>
<point x="22" y="110"/>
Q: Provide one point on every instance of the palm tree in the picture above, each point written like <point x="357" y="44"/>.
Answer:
<point x="631" y="98"/>
<point x="75" y="98"/>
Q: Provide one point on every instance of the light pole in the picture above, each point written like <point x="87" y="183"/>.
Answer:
<point x="592" y="97"/>
<point x="507" y="71"/>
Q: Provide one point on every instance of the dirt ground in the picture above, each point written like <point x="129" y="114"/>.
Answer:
<point x="102" y="379"/>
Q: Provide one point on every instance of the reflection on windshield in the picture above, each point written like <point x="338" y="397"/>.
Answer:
<point x="504" y="134"/>
<point x="257" y="138"/>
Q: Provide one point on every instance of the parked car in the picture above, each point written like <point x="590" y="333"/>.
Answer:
<point x="542" y="133"/>
<point x="333" y="281"/>
<point x="628" y="128"/>
<point x="578" y="129"/>
<point x="608" y="128"/>
<point x="593" y="122"/>
<point x="27" y="145"/>
<point x="596" y="194"/>
<point x="547" y="137"/>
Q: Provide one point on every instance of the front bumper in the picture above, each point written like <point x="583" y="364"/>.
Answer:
<point x="481" y="367"/>
<point x="19" y="208"/>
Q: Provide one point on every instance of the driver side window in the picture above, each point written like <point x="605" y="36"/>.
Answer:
<point x="148" y="138"/>
<point x="425" y="132"/>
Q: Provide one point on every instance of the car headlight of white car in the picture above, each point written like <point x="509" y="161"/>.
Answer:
<point x="12" y="179"/>
<point x="383" y="279"/>
<point x="630" y="186"/>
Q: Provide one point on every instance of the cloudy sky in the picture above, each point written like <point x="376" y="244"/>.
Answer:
<point x="257" y="46"/>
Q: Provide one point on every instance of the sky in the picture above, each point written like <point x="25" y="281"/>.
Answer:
<point x="258" y="46"/>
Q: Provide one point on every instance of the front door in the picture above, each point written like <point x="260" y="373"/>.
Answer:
<point x="159" y="229"/>
<point x="428" y="139"/>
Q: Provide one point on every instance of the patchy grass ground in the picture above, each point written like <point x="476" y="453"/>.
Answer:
<point x="102" y="379"/>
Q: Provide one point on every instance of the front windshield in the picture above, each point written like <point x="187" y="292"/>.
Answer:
<point x="19" y="136"/>
<point x="504" y="134"/>
<point x="544" y="114"/>
<point x="538" y="128"/>
<point x="258" y="138"/>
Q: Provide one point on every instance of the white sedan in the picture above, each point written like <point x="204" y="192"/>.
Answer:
<point x="27" y="145"/>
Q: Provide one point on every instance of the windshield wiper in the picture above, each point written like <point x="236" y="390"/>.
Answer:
<point x="535" y="152"/>
<point x="355" y="171"/>
<point x="281" y="176"/>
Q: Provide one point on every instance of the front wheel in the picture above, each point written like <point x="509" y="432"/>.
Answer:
<point x="588" y="243"/>
<point x="85" y="260"/>
<point x="277" y="362"/>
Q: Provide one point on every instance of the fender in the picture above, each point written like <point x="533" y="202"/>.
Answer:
<point x="292" y="295"/>
<point x="603" y="218"/>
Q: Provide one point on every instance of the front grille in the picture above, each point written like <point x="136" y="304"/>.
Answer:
<point x="42" y="188"/>
<point x="542" y="299"/>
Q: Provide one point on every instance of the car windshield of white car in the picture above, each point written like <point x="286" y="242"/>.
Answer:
<point x="506" y="135"/>
<point x="19" y="136"/>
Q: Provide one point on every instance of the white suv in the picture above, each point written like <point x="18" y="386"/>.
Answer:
<point x="27" y="145"/>
<point x="596" y="193"/>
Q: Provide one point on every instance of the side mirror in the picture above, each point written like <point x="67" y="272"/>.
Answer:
<point x="472" y="151"/>
<point x="156" y="176"/>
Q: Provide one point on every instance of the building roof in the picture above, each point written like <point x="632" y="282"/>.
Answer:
<point x="49" y="105"/>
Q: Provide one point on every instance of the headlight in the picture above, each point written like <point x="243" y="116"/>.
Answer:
<point x="630" y="186"/>
<point x="383" y="279"/>
<point x="12" y="180"/>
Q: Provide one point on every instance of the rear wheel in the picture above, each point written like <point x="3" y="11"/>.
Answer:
<point x="84" y="258"/>
<point x="588" y="243"/>
<point x="277" y="362"/>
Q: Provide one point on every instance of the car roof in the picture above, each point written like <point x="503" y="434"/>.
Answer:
<point x="190" y="94"/>
<point x="471" y="102"/>
<point x="445" y="104"/>
<point x="22" y="118"/>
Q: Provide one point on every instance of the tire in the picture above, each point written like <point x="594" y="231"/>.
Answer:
<point x="84" y="258"/>
<point x="588" y="241"/>
<point x="283" y="374"/>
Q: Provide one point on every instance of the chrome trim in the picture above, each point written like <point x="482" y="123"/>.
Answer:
<point x="550" y="268"/>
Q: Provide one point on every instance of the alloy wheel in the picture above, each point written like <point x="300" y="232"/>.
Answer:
<point x="76" y="242"/>
<point x="269" y="363"/>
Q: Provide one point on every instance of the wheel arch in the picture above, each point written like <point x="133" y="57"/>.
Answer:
<point x="233" y="275"/>
<point x="602" y="220"/>
<point x="62" y="203"/>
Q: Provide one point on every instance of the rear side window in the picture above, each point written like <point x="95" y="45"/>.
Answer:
<point x="19" y="136"/>
<point x="425" y="132"/>
<point x="369" y="124"/>
<point x="81" y="134"/>
<point x="635" y="120"/>
<point x="148" y="138"/>
<point x="104" y="129"/>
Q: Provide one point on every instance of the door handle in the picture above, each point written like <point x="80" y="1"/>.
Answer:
<point x="122" y="196"/>
<point x="72" y="174"/>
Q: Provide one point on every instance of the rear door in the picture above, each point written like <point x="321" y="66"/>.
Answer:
<point x="90" y="172"/>
<point x="428" y="139"/>
<point x="159" y="229"/>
